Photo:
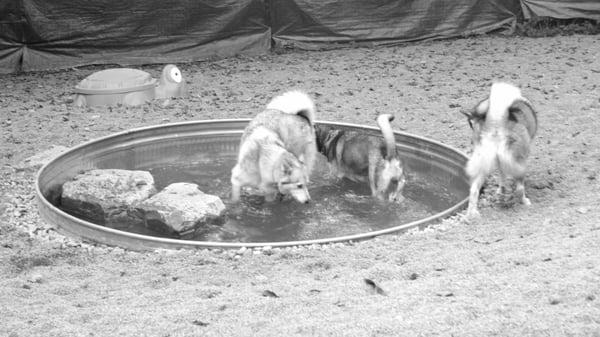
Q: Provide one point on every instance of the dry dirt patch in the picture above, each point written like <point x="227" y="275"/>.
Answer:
<point x="522" y="271"/>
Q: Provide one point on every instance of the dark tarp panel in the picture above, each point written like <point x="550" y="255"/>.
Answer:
<point x="313" y="23"/>
<point x="42" y="34"/>
<point x="562" y="9"/>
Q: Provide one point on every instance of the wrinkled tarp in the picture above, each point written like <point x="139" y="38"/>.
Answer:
<point x="562" y="9"/>
<point x="42" y="34"/>
<point x="311" y="23"/>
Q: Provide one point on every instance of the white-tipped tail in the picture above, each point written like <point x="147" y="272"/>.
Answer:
<point x="502" y="96"/>
<point x="388" y="134"/>
<point x="294" y="102"/>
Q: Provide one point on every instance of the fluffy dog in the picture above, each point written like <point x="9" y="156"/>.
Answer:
<point x="503" y="127"/>
<point x="365" y="158"/>
<point x="278" y="149"/>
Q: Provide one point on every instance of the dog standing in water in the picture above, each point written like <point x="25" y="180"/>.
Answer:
<point x="365" y="158"/>
<point x="503" y="127"/>
<point x="278" y="149"/>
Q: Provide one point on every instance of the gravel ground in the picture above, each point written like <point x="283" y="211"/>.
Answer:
<point x="520" y="271"/>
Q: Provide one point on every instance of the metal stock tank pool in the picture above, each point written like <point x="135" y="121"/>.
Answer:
<point x="204" y="152"/>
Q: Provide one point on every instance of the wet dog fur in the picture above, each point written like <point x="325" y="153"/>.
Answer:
<point x="278" y="149"/>
<point x="365" y="158"/>
<point x="504" y="125"/>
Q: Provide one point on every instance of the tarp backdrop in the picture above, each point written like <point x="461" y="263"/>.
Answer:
<point x="44" y="34"/>
<point x="562" y="9"/>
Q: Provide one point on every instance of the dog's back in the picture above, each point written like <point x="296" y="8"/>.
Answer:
<point x="290" y="128"/>
<point x="291" y="117"/>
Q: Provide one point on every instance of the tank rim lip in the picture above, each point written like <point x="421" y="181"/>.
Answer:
<point x="172" y="243"/>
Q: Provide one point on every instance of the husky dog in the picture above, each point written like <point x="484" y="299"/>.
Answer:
<point x="503" y="127"/>
<point x="365" y="158"/>
<point x="277" y="150"/>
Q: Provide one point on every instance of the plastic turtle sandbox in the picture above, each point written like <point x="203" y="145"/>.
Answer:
<point x="203" y="152"/>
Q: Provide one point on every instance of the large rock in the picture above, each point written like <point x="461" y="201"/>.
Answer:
<point x="107" y="196"/>
<point x="181" y="208"/>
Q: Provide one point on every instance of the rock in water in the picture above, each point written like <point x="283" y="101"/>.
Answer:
<point x="106" y="196"/>
<point x="181" y="208"/>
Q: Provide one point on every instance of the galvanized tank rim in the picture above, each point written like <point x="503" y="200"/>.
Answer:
<point x="73" y="226"/>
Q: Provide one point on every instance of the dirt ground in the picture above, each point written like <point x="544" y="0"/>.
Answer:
<point x="519" y="272"/>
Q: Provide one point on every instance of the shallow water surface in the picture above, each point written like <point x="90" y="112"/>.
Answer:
<point x="338" y="207"/>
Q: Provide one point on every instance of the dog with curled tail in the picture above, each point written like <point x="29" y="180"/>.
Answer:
<point x="365" y="158"/>
<point x="278" y="149"/>
<point x="503" y="127"/>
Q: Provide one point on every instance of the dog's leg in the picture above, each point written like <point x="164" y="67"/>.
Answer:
<point x="520" y="190"/>
<point x="373" y="180"/>
<point x="482" y="162"/>
<point x="374" y="175"/>
<point x="270" y="196"/>
<point x="501" y="184"/>
<point x="236" y="186"/>
<point x="476" y="183"/>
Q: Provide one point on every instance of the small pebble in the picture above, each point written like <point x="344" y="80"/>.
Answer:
<point x="36" y="278"/>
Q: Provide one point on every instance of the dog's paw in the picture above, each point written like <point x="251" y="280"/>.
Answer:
<point x="473" y="216"/>
<point x="235" y="210"/>
<point x="525" y="201"/>
<point x="397" y="199"/>
<point x="274" y="197"/>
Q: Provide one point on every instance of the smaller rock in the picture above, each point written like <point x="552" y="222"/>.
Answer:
<point x="181" y="208"/>
<point x="36" y="278"/>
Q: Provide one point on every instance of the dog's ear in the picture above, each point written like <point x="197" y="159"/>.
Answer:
<point x="478" y="113"/>
<point x="482" y="108"/>
<point x="521" y="111"/>
<point x="319" y="135"/>
<point x="469" y="118"/>
<point x="330" y="144"/>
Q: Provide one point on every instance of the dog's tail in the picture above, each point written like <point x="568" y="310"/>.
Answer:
<point x="502" y="97"/>
<point x="507" y="103"/>
<point x="295" y="102"/>
<point x="388" y="135"/>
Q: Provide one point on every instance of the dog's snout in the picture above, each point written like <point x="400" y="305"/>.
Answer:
<point x="307" y="201"/>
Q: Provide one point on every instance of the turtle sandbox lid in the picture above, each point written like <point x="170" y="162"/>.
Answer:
<point x="112" y="86"/>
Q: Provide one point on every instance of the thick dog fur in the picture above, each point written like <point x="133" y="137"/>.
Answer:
<point x="365" y="158"/>
<point x="278" y="149"/>
<point x="503" y="126"/>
